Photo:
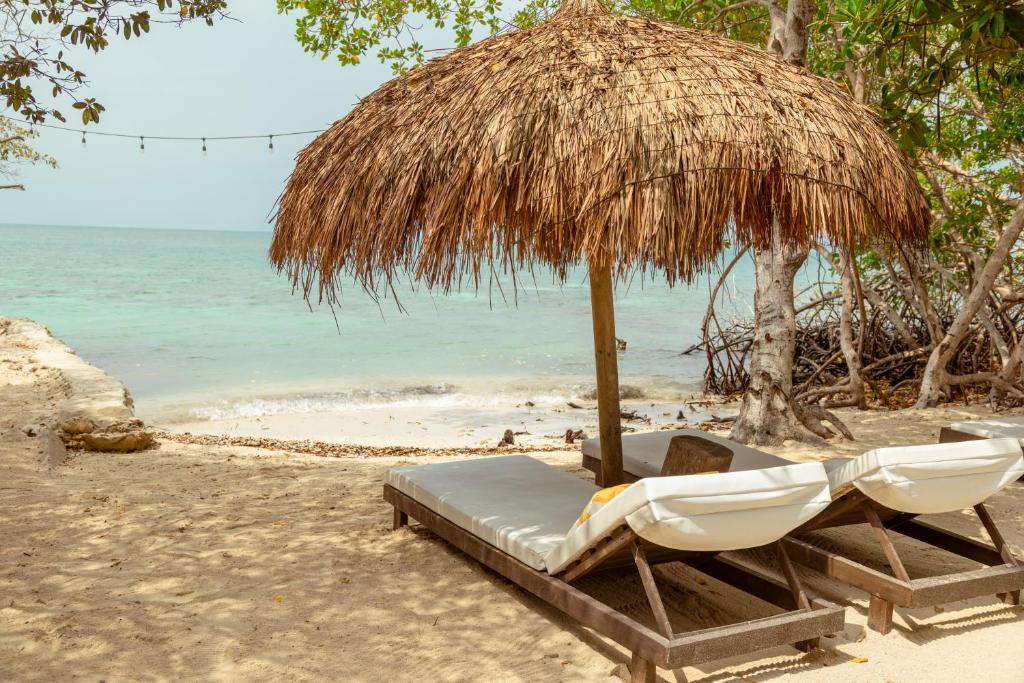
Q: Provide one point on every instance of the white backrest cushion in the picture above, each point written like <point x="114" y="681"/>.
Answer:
<point x="934" y="477"/>
<point x="994" y="428"/>
<point x="706" y="512"/>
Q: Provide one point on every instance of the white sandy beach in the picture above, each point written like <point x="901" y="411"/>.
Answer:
<point x="211" y="562"/>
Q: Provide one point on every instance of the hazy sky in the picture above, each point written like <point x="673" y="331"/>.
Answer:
<point x="241" y="77"/>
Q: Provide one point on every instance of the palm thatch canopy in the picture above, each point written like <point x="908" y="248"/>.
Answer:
<point x="626" y="142"/>
<point x="591" y="133"/>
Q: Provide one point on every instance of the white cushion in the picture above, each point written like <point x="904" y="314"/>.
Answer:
<point x="934" y="477"/>
<point x="643" y="454"/>
<point x="706" y="512"/>
<point x="994" y="428"/>
<point x="528" y="509"/>
<point x="516" y="503"/>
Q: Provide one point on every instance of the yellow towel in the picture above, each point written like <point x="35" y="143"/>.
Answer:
<point x="599" y="500"/>
<point x="604" y="496"/>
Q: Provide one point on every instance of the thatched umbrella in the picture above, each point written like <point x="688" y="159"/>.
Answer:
<point x="623" y="142"/>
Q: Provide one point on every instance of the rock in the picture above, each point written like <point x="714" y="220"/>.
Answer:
<point x="30" y="430"/>
<point x="508" y="439"/>
<point x="77" y="425"/>
<point x="626" y="393"/>
<point x="117" y="442"/>
<point x="572" y="436"/>
<point x="53" y="451"/>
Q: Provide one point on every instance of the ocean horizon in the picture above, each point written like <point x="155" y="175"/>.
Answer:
<point x="199" y="326"/>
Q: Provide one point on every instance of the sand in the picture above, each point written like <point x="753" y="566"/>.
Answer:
<point x="195" y="562"/>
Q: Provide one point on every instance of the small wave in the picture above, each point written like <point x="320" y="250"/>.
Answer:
<point x="437" y="396"/>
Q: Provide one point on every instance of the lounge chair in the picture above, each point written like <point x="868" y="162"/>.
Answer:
<point x="992" y="428"/>
<point x="519" y="516"/>
<point x="887" y="488"/>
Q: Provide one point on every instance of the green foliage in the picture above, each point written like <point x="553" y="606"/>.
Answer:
<point x="15" y="150"/>
<point x="351" y="30"/>
<point x="38" y="34"/>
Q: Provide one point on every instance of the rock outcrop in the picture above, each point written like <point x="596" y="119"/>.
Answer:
<point x="97" y="412"/>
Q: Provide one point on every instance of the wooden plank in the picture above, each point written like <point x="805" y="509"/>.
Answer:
<point x="949" y="541"/>
<point x="848" y="571"/>
<point x="607" y="364"/>
<point x="587" y="610"/>
<point x="950" y="435"/>
<point x="616" y="543"/>
<point x="994" y="534"/>
<point x="750" y="580"/>
<point x="651" y="589"/>
<point x="642" y="670"/>
<point x="883" y="540"/>
<point x="791" y="577"/>
<point x="937" y="590"/>
<point x="750" y="636"/>
<point x="398" y="519"/>
<point x="594" y="465"/>
<point x="879" y="615"/>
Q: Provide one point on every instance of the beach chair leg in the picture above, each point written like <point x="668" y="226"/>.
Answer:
<point x="651" y="589"/>
<point x="399" y="519"/>
<point x="799" y="595"/>
<point x="883" y="539"/>
<point x="1012" y="598"/>
<point x="880" y="615"/>
<point x="641" y="670"/>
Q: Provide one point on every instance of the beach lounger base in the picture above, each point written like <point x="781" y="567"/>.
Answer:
<point x="1004" y="576"/>
<point x="801" y="620"/>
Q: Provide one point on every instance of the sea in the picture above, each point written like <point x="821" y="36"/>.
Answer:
<point x="200" y="326"/>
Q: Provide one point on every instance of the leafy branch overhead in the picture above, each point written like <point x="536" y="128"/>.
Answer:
<point x="40" y="38"/>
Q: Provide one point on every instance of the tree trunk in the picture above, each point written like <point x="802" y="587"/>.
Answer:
<point x="767" y="416"/>
<point x="935" y="373"/>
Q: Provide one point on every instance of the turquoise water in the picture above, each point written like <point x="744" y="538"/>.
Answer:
<point x="197" y="323"/>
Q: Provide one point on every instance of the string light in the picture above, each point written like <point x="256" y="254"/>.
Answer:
<point x="174" y="138"/>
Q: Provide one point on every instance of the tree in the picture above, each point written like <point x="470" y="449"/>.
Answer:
<point x="15" y="150"/>
<point x="37" y="36"/>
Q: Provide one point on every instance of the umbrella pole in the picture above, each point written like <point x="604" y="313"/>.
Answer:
<point x="603" y="314"/>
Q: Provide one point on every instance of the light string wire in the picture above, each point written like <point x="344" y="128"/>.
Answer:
<point x="177" y="138"/>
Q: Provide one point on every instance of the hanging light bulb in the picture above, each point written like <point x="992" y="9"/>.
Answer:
<point x="142" y="144"/>
<point x="271" y="145"/>
<point x="83" y="138"/>
<point x="204" y="146"/>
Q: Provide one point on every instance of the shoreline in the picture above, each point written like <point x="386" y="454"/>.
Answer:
<point x="444" y="427"/>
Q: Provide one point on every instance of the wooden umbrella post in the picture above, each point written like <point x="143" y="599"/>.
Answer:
<point x="603" y="314"/>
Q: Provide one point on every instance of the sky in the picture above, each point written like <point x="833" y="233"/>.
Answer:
<point x="237" y="78"/>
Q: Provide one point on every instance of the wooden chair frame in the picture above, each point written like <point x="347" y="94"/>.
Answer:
<point x="802" y="621"/>
<point x="1004" y="576"/>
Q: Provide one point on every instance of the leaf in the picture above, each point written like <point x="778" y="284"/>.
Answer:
<point x="280" y="523"/>
<point x="280" y="598"/>
<point x="859" y="660"/>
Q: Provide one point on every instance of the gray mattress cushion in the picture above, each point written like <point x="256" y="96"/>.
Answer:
<point x="643" y="454"/>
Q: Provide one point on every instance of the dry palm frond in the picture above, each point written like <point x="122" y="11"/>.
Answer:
<point x="591" y="135"/>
